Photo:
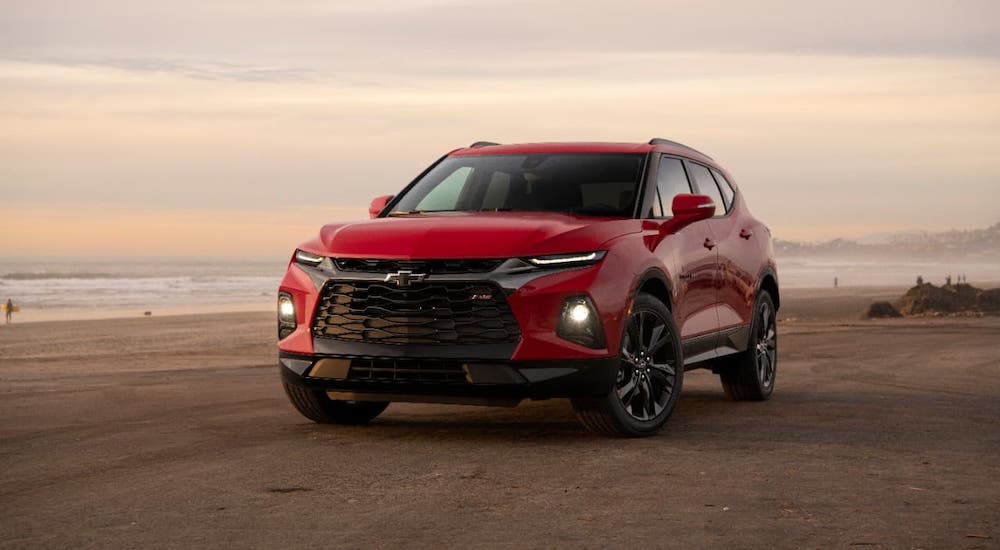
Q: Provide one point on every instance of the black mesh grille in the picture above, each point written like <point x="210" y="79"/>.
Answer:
<point x="418" y="266"/>
<point x="421" y="313"/>
<point x="407" y="370"/>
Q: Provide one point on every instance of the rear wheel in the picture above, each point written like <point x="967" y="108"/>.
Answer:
<point x="750" y="375"/>
<point x="317" y="406"/>
<point x="649" y="376"/>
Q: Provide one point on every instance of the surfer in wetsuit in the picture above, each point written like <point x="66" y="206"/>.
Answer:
<point x="9" y="310"/>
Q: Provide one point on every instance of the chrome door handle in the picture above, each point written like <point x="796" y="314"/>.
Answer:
<point x="709" y="244"/>
<point x="746" y="234"/>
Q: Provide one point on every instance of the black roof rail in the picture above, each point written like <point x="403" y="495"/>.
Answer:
<point x="479" y="144"/>
<point x="661" y="141"/>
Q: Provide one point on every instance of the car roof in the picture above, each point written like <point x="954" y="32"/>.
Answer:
<point x="481" y="148"/>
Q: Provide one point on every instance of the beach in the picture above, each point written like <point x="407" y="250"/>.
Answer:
<point x="107" y="289"/>
<point x="173" y="432"/>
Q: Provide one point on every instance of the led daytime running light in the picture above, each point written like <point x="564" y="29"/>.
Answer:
<point x="567" y="259"/>
<point x="303" y="257"/>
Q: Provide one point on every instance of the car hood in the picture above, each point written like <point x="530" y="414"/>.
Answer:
<point x="468" y="235"/>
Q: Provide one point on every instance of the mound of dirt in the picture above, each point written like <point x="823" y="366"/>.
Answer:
<point x="927" y="299"/>
<point x="882" y="310"/>
<point x="989" y="301"/>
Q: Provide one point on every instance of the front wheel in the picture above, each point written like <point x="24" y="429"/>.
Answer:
<point x="317" y="406"/>
<point x="650" y="373"/>
<point x="750" y="375"/>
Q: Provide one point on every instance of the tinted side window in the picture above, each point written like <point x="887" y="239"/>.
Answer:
<point x="727" y="190"/>
<point x="670" y="182"/>
<point x="705" y="183"/>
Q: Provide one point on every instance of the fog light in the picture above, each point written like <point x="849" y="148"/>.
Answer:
<point x="579" y="313"/>
<point x="579" y="323"/>
<point x="287" y="321"/>
<point x="286" y="308"/>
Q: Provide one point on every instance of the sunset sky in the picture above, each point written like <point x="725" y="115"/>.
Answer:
<point x="236" y="128"/>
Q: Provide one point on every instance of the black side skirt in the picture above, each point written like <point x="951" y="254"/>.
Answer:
<point x="701" y="349"/>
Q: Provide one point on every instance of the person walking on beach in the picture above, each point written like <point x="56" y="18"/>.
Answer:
<point x="9" y="310"/>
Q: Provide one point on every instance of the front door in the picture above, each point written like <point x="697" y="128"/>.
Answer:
<point x="693" y="255"/>
<point x="697" y="284"/>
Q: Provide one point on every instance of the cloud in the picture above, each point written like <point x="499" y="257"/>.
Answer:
<point x="854" y="27"/>
<point x="197" y="107"/>
<point x="112" y="230"/>
<point x="193" y="69"/>
<point x="335" y="36"/>
<point x="420" y="42"/>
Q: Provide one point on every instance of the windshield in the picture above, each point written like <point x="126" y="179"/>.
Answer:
<point x="583" y="184"/>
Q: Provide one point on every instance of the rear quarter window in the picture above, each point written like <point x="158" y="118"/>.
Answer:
<point x="727" y="190"/>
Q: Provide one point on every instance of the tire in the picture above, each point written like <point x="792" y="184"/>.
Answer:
<point x="750" y="375"/>
<point x="318" y="407"/>
<point x="649" y="377"/>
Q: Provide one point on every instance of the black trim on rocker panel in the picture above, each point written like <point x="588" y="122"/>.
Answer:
<point x="701" y="349"/>
<point x="734" y="340"/>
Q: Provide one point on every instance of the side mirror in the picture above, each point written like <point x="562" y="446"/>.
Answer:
<point x="688" y="209"/>
<point x="693" y="207"/>
<point x="378" y="205"/>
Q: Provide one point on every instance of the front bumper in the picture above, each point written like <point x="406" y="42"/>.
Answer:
<point x="535" y="298"/>
<point x="468" y="381"/>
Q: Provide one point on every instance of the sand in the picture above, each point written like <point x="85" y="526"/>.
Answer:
<point x="174" y="432"/>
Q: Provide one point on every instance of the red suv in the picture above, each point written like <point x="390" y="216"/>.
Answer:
<point x="594" y="271"/>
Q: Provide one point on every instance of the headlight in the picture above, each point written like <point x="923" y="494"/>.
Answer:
<point x="567" y="260"/>
<point x="287" y="321"/>
<point x="305" y="258"/>
<point x="579" y="323"/>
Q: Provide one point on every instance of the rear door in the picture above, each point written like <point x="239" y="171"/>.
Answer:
<point x="739" y="258"/>
<point x="693" y="261"/>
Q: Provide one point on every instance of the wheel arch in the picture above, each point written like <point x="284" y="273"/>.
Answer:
<point x="769" y="282"/>
<point x="654" y="282"/>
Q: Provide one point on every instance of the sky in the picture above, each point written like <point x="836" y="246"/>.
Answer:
<point x="234" y="129"/>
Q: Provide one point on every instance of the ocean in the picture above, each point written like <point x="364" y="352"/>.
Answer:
<point x="811" y="272"/>
<point x="55" y="290"/>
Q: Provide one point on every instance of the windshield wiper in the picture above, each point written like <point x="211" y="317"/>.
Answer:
<point x="409" y="212"/>
<point x="404" y="212"/>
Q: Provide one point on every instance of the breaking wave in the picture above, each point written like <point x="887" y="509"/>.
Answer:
<point x="44" y="275"/>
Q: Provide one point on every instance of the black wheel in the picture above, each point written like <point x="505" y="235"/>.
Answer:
<point x="750" y="375"/>
<point x="649" y="376"/>
<point x="318" y="407"/>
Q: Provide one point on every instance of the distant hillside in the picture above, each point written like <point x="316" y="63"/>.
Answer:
<point x="981" y="244"/>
